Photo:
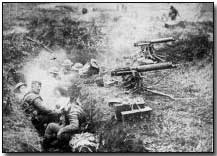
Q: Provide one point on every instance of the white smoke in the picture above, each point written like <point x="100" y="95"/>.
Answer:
<point x="38" y="70"/>
<point x="143" y="21"/>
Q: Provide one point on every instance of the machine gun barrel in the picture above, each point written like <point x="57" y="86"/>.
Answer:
<point x="161" y="40"/>
<point x="144" y="68"/>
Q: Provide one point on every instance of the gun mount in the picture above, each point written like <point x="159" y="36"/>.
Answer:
<point x="132" y="77"/>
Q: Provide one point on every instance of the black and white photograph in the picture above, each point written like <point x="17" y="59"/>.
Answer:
<point x="108" y="77"/>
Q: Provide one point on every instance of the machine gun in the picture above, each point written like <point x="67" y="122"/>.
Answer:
<point x="148" y="50"/>
<point x="144" y="68"/>
<point x="132" y="77"/>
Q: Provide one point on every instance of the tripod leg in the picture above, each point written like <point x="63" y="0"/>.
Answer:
<point x="160" y="93"/>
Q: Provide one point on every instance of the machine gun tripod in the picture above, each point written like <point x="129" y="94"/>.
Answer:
<point x="133" y="79"/>
<point x="148" y="50"/>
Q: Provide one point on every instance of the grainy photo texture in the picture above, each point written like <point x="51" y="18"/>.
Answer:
<point x="107" y="77"/>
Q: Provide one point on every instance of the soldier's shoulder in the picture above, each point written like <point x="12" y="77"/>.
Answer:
<point x="31" y="96"/>
<point x="77" y="109"/>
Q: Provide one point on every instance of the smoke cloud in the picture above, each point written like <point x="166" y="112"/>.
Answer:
<point x="138" y="22"/>
<point x="38" y="70"/>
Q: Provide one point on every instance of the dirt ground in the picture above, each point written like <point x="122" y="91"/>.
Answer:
<point x="181" y="125"/>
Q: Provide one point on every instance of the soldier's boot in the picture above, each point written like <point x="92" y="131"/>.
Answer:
<point x="45" y="145"/>
<point x="49" y="143"/>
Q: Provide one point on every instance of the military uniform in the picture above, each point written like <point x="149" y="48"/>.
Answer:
<point x="35" y="110"/>
<point x="173" y="13"/>
<point x="73" y="118"/>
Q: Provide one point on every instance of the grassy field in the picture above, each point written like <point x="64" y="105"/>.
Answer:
<point x="181" y="125"/>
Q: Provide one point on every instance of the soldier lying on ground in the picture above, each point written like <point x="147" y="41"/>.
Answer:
<point x="72" y="116"/>
<point x="89" y="69"/>
<point x="36" y="110"/>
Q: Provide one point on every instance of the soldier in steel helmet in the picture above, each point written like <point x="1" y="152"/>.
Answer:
<point x="67" y="66"/>
<point x="20" y="90"/>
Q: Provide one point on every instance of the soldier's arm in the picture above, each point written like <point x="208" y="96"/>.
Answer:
<point x="74" y="125"/>
<point x="39" y="105"/>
